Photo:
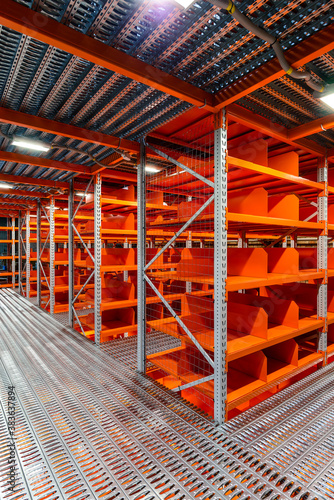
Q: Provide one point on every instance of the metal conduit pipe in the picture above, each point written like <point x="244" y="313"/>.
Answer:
<point x="273" y="42"/>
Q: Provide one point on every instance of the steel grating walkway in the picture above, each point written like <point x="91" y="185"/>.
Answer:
<point x="87" y="426"/>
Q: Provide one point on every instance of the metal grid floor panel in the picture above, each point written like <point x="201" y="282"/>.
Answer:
<point x="87" y="426"/>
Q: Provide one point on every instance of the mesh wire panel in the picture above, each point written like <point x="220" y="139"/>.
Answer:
<point x="180" y="259"/>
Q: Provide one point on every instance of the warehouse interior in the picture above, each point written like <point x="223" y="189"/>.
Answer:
<point x="167" y="249"/>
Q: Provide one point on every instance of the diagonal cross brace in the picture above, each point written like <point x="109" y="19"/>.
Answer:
<point x="180" y="231"/>
<point x="192" y="384"/>
<point x="184" y="167"/>
<point x="180" y="322"/>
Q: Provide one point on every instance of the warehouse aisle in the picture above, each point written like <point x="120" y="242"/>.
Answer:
<point x="87" y="426"/>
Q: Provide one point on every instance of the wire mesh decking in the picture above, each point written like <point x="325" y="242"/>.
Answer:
<point x="89" y="427"/>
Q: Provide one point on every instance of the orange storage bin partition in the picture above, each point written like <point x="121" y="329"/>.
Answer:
<point x="279" y="311"/>
<point x="250" y="201"/>
<point x="247" y="262"/>
<point x="284" y="207"/>
<point x="114" y="257"/>
<point x="283" y="260"/>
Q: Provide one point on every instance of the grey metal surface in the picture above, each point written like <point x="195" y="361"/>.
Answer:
<point x="27" y="256"/>
<point x="38" y="252"/>
<point x="70" y="254"/>
<point x="220" y="268"/>
<point x="125" y="349"/>
<point x="97" y="258"/>
<point x="141" y="260"/>
<point x="90" y="427"/>
<point x="52" y="254"/>
<point x="322" y="250"/>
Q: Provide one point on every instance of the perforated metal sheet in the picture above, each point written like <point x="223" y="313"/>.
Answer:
<point x="90" y="427"/>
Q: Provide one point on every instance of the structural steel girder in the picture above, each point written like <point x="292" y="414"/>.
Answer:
<point x="313" y="47"/>
<point x="13" y="201"/>
<point x="313" y="127"/>
<point x="20" y="179"/>
<point x="273" y="129"/>
<point x="51" y="32"/>
<point x="65" y="166"/>
<point x="63" y="129"/>
<point x="38" y="161"/>
<point x="27" y="194"/>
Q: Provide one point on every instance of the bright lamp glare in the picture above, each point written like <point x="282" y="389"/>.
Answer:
<point x="5" y="186"/>
<point x="184" y="3"/>
<point x="80" y="193"/>
<point x="328" y="99"/>
<point x="151" y="169"/>
<point x="26" y="144"/>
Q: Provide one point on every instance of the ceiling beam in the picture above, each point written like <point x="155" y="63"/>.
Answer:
<point x="31" y="181"/>
<point x="51" y="32"/>
<point x="313" y="127"/>
<point x="313" y="47"/>
<point x="29" y="194"/>
<point x="65" y="130"/>
<point x="38" y="161"/>
<point x="265" y="126"/>
<point x="8" y="212"/>
<point x="12" y="201"/>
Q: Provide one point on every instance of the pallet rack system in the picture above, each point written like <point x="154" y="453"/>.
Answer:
<point x="186" y="242"/>
<point x="8" y="258"/>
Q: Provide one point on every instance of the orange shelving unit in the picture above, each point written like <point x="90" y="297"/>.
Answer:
<point x="8" y="257"/>
<point x="271" y="326"/>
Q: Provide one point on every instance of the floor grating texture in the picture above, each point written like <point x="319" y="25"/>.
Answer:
<point x="88" y="426"/>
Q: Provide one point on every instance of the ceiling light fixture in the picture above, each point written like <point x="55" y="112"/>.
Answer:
<point x="151" y="169"/>
<point x="184" y="3"/>
<point x="80" y="193"/>
<point x="29" y="144"/>
<point x="328" y="99"/>
<point x="3" y="185"/>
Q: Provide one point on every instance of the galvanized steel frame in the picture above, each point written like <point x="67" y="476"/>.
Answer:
<point x="38" y="237"/>
<point x="13" y="252"/>
<point x="71" y="227"/>
<point x="52" y="255"/>
<point x="27" y="245"/>
<point x="19" y="224"/>
<point x="322" y="249"/>
<point x="220" y="274"/>
<point x="70" y="249"/>
<point x="97" y="257"/>
<point x="141" y="259"/>
<point x="220" y="268"/>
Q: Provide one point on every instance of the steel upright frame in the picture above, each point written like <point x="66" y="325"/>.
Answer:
<point x="97" y="258"/>
<point x="38" y="251"/>
<point x="220" y="268"/>
<point x="141" y="238"/>
<point x="141" y="260"/>
<point x="27" y="247"/>
<point x="72" y="229"/>
<point x="13" y="254"/>
<point x="52" y="255"/>
<point x="19" y="226"/>
<point x="70" y="249"/>
<point x="322" y="255"/>
<point x="25" y="244"/>
<point x="51" y="239"/>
